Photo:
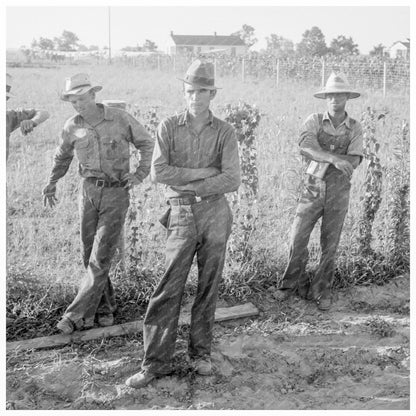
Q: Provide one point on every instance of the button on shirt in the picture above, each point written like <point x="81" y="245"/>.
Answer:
<point x="180" y="152"/>
<point x="103" y="150"/>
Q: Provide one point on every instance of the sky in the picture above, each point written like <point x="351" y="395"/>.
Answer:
<point x="368" y="26"/>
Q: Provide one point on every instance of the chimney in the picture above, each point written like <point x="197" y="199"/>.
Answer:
<point x="171" y="32"/>
<point x="215" y="33"/>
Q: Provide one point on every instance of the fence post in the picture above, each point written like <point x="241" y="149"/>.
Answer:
<point x="277" y="72"/>
<point x="243" y="69"/>
<point x="384" y="79"/>
<point x="323" y="71"/>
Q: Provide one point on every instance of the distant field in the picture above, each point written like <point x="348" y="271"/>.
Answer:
<point x="43" y="244"/>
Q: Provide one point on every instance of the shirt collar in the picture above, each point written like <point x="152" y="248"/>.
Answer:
<point x="346" y="121"/>
<point x="107" y="114"/>
<point x="184" y="117"/>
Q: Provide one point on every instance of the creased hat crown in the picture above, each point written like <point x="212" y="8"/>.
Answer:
<point x="201" y="74"/>
<point x="337" y="83"/>
<point x="78" y="84"/>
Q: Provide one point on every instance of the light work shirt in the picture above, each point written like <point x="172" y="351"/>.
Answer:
<point x="103" y="150"/>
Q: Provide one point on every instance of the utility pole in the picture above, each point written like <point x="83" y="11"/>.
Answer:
<point x="109" y="35"/>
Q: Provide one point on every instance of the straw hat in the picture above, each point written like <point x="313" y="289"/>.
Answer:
<point x="8" y="86"/>
<point x="201" y="74"/>
<point x="337" y="83"/>
<point x="78" y="84"/>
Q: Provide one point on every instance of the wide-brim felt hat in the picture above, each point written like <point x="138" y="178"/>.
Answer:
<point x="201" y="74"/>
<point x="8" y="86"/>
<point x="337" y="83"/>
<point x="78" y="84"/>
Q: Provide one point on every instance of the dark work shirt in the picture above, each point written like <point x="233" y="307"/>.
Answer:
<point x="181" y="154"/>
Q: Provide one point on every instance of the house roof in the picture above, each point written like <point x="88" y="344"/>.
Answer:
<point x="404" y="43"/>
<point x="191" y="40"/>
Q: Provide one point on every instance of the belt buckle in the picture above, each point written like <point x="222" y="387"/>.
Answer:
<point x="100" y="183"/>
<point x="198" y="199"/>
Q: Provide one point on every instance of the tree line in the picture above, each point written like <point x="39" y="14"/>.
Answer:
<point x="312" y="44"/>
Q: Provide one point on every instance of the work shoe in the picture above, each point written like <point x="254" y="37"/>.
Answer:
<point x="305" y="292"/>
<point x="282" y="294"/>
<point x="203" y="366"/>
<point x="88" y="323"/>
<point x="106" y="320"/>
<point x="65" y="325"/>
<point x="140" y="379"/>
<point x="324" y="302"/>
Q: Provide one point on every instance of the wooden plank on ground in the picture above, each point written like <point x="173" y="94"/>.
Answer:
<point x="221" y="314"/>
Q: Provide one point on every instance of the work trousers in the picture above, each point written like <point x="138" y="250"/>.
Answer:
<point x="102" y="213"/>
<point x="327" y="199"/>
<point x="202" y="228"/>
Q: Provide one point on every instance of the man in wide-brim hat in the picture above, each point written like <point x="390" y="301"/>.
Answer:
<point x="100" y="136"/>
<point x="331" y="144"/>
<point x="26" y="119"/>
<point x="196" y="156"/>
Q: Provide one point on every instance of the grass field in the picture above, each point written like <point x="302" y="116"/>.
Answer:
<point x="43" y="255"/>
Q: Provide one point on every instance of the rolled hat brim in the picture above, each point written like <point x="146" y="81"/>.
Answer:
<point x="80" y="91"/>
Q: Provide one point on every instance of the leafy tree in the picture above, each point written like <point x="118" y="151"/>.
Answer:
<point x="149" y="46"/>
<point x="68" y="41"/>
<point x="343" y="46"/>
<point x="82" y="48"/>
<point x="312" y="43"/>
<point x="246" y="33"/>
<point x="45" y="43"/>
<point x="378" y="50"/>
<point x="279" y="46"/>
<point x="93" y="48"/>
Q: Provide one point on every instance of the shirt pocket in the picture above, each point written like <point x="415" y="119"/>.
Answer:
<point x="115" y="148"/>
<point x="83" y="148"/>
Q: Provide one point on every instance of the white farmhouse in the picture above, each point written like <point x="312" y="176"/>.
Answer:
<point x="184" y="44"/>
<point x="400" y="49"/>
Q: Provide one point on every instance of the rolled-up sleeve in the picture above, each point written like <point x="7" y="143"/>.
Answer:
<point x="308" y="134"/>
<point x="144" y="143"/>
<point x="229" y="179"/>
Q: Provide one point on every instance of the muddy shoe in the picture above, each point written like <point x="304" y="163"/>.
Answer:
<point x="106" y="320"/>
<point x="141" y="379"/>
<point x="324" y="303"/>
<point x="65" y="325"/>
<point x="282" y="294"/>
<point x="304" y="291"/>
<point x="203" y="366"/>
<point x="88" y="323"/>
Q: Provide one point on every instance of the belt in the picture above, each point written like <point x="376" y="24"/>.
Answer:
<point x="190" y="200"/>
<point x="102" y="183"/>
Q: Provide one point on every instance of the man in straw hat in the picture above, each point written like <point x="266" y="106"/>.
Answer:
<point x="27" y="120"/>
<point x="332" y="147"/>
<point x="196" y="156"/>
<point x="100" y="137"/>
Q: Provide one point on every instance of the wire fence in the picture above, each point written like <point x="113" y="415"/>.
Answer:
<point x="363" y="71"/>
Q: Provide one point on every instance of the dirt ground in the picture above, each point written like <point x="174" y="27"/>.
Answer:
<point x="291" y="356"/>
